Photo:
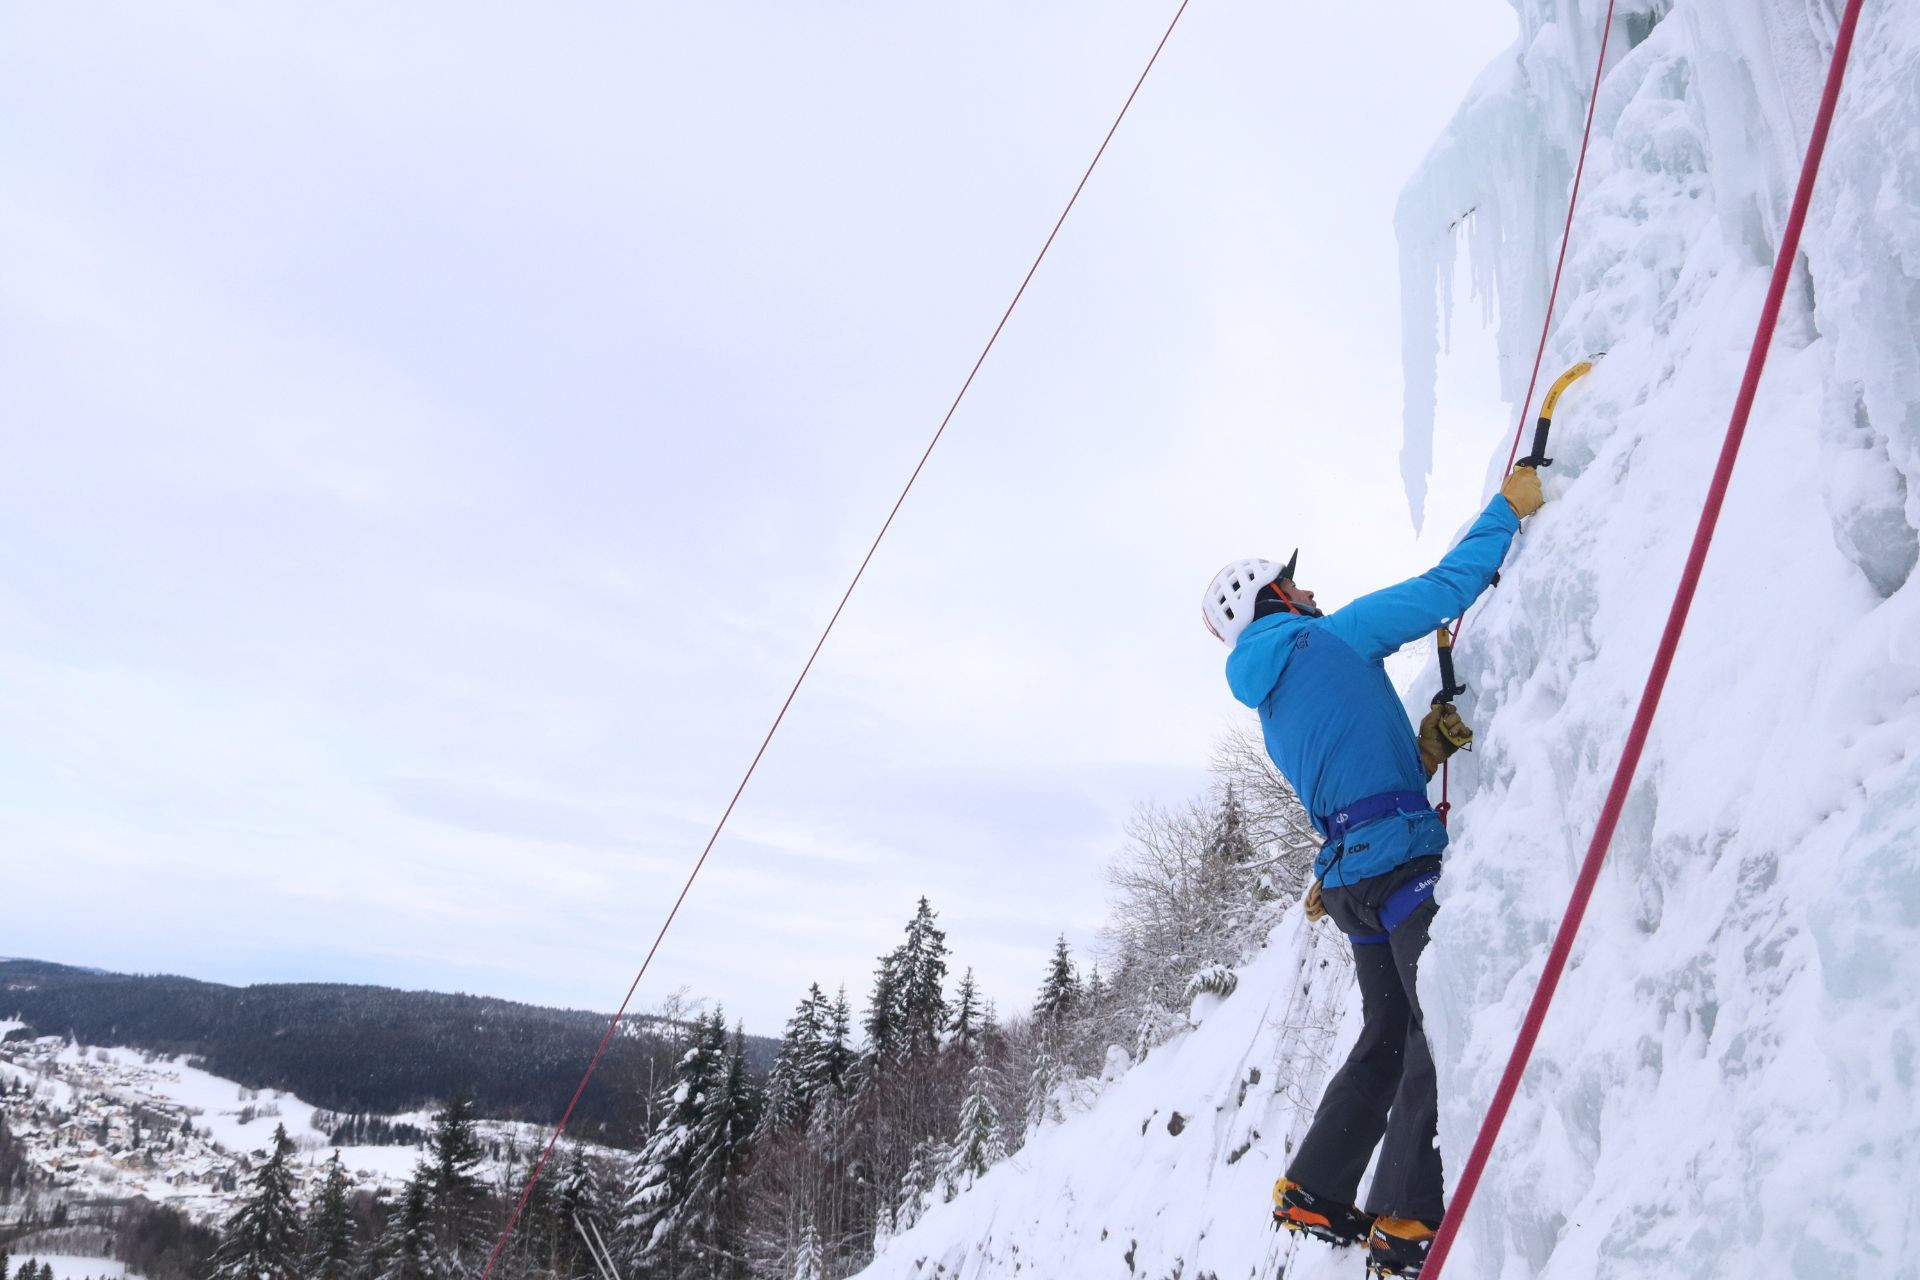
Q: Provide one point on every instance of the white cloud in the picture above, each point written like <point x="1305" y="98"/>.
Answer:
<point x="448" y="431"/>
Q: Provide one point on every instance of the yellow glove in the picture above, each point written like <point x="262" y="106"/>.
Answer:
<point x="1442" y="733"/>
<point x="1316" y="910"/>
<point x="1522" y="491"/>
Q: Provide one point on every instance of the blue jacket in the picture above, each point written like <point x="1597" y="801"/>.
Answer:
<point x="1332" y="721"/>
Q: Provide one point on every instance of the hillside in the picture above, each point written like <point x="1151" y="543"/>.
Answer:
<point x="361" y="1048"/>
<point x="1726" y="1085"/>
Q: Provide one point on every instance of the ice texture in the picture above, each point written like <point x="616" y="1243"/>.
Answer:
<point x="1727" y="1083"/>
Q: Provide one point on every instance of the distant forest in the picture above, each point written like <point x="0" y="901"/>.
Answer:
<point x="360" y="1049"/>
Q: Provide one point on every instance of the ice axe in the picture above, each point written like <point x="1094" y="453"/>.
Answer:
<point x="1450" y="686"/>
<point x="1544" y="424"/>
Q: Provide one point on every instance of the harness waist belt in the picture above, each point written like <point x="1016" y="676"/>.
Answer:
<point x="1361" y="812"/>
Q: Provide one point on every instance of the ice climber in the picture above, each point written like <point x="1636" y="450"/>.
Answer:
<point x="1340" y="735"/>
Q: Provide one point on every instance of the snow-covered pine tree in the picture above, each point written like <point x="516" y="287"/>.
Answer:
<point x="1270" y="812"/>
<point x="665" y="1190"/>
<point x="920" y="975"/>
<point x="330" y="1229"/>
<point x="831" y="1068"/>
<point x="810" y="1262"/>
<point x="979" y="1144"/>
<point x="580" y="1194"/>
<point x="720" y="1140"/>
<point x="922" y="1171"/>
<point x="456" y="1197"/>
<point x="262" y="1238"/>
<point x="1060" y="990"/>
<point x="1042" y="1080"/>
<point x="789" y="1084"/>
<point x="404" y="1247"/>
<point x="965" y="1026"/>
<point x="882" y="1024"/>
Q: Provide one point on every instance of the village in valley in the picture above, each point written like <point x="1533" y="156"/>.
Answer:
<point x="113" y="1123"/>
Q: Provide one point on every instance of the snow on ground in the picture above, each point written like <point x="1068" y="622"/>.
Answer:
<point x="238" y="1118"/>
<point x="1727" y="1084"/>
<point x="1169" y="1170"/>
<point x="85" y="1267"/>
<point x="103" y="1085"/>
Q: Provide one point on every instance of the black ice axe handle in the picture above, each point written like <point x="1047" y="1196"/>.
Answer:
<point x="1450" y="686"/>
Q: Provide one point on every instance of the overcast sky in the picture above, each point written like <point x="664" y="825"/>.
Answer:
<point x="435" y="435"/>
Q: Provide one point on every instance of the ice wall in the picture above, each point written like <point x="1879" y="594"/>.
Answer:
<point x="1727" y="1085"/>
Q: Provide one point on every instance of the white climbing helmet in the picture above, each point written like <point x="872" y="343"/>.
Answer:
<point x="1227" y="607"/>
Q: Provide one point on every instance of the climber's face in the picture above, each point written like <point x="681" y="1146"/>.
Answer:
<point x="1294" y="593"/>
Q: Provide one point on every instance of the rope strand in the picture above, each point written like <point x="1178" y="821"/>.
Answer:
<point x="1663" y="661"/>
<point x="533" y="1177"/>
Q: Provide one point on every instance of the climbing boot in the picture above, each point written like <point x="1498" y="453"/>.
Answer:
<point x="1398" y="1246"/>
<point x="1297" y="1209"/>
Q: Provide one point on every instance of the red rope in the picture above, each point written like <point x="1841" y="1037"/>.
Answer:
<point x="533" y="1177"/>
<point x="1566" y="234"/>
<point x="1553" y="294"/>
<point x="1662" y="662"/>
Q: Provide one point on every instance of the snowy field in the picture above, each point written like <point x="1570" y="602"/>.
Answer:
<point x="83" y="1268"/>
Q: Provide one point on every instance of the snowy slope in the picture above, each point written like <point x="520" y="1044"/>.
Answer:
<point x="1727" y="1084"/>
<point x="1115" y="1190"/>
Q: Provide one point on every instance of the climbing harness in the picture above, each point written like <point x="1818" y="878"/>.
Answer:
<point x="533" y="1176"/>
<point x="1662" y="662"/>
<point x="1372" y="809"/>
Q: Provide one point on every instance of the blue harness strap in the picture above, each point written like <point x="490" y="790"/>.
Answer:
<point x="1400" y="904"/>
<point x="1361" y="812"/>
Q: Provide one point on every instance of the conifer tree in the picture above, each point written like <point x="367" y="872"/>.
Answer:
<point x="832" y="1067"/>
<point x="453" y="1156"/>
<point x="790" y="1085"/>
<point x="1061" y="989"/>
<point x="978" y="1145"/>
<point x="810" y="1262"/>
<point x="1041" y="1106"/>
<point x="1095" y="993"/>
<point x="563" y="1220"/>
<point x="920" y="975"/>
<point x="720" y="1140"/>
<point x="882" y="1023"/>
<point x="404" y="1247"/>
<point x="455" y="1196"/>
<point x="330" y="1227"/>
<point x="966" y="1015"/>
<point x="669" y="1201"/>
<point x="262" y="1238"/>
<point x="922" y="1172"/>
